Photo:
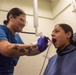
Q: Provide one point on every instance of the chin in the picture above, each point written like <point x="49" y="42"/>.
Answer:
<point x="56" y="46"/>
<point x="19" y="31"/>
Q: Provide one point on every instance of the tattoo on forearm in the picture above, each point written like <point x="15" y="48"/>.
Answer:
<point x="29" y="49"/>
<point x="15" y="47"/>
<point x="22" y="50"/>
<point x="35" y="46"/>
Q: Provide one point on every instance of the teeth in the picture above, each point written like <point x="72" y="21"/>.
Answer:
<point x="53" y="40"/>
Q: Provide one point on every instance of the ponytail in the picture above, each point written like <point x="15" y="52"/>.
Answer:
<point x="5" y="22"/>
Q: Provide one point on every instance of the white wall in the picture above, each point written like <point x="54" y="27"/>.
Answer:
<point x="58" y="5"/>
<point x="61" y="13"/>
<point x="33" y="64"/>
<point x="67" y="15"/>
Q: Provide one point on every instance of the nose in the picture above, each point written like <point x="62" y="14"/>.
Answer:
<point x="26" y="23"/>
<point x="53" y="34"/>
<point x="23" y="24"/>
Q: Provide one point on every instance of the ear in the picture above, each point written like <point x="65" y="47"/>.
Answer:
<point x="10" y="17"/>
<point x="69" y="34"/>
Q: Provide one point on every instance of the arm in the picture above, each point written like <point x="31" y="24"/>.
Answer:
<point x="11" y="50"/>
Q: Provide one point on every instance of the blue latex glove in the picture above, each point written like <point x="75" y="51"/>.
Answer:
<point x="42" y="43"/>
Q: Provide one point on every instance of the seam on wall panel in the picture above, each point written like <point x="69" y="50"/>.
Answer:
<point x="61" y="11"/>
<point x="43" y="16"/>
<point x="30" y="15"/>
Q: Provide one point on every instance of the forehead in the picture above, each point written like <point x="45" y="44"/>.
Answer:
<point x="22" y="16"/>
<point x="57" y="27"/>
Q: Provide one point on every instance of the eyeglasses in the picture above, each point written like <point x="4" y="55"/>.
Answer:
<point x="23" y="20"/>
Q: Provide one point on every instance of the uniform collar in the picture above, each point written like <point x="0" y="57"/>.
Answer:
<point x="66" y="50"/>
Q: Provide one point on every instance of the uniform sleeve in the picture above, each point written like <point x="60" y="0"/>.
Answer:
<point x="3" y="35"/>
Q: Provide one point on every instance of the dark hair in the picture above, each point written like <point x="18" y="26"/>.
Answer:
<point x="14" y="12"/>
<point x="67" y="28"/>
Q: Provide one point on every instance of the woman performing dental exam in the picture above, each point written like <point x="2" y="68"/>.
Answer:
<point x="11" y="45"/>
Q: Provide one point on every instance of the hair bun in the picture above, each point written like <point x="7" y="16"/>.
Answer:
<point x="5" y="21"/>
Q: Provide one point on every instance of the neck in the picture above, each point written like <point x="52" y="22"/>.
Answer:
<point x="62" y="48"/>
<point x="11" y="29"/>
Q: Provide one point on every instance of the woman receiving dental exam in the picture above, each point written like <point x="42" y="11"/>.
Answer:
<point x="64" y="62"/>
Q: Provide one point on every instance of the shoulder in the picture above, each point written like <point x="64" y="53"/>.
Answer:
<point x="2" y="29"/>
<point x="53" y="57"/>
<point x="3" y="35"/>
<point x="71" y="47"/>
<point x="52" y="60"/>
<point x="2" y="25"/>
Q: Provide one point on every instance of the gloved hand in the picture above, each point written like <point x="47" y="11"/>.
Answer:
<point x="42" y="43"/>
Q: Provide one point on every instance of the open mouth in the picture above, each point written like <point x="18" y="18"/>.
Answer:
<point x="53" y="40"/>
